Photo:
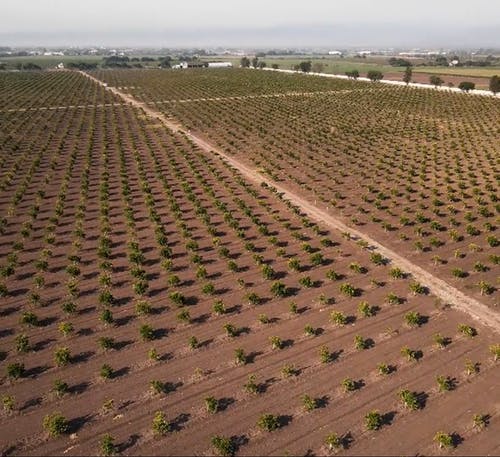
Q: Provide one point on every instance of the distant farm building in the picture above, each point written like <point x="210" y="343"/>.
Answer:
<point x="184" y="65"/>
<point x="334" y="53"/>
<point x="220" y="65"/>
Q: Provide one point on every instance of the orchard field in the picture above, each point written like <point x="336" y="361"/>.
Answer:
<point x="155" y="301"/>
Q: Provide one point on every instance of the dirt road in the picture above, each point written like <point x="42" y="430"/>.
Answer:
<point x="441" y="289"/>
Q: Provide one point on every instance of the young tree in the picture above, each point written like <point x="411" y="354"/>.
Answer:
<point x="305" y="66"/>
<point x="467" y="86"/>
<point x="495" y="84"/>
<point x="338" y="318"/>
<point x="407" y="75"/>
<point x="211" y="404"/>
<point x="161" y="426"/>
<point x="409" y="399"/>
<point x="55" y="424"/>
<point x="373" y="420"/>
<point x="333" y="442"/>
<point x="436" y="81"/>
<point x="467" y="330"/>
<point x="479" y="421"/>
<point x="309" y="402"/>
<point x="240" y="357"/>
<point x="268" y="422"/>
<point x="62" y="356"/>
<point x="8" y="403"/>
<point x="107" y="445"/>
<point x="374" y="75"/>
<point x="444" y="440"/>
<point x="223" y="446"/>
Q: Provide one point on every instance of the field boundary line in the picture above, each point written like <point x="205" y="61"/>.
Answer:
<point x="245" y="97"/>
<point x="438" y="287"/>
<point x="60" y="107"/>
<point x="480" y="92"/>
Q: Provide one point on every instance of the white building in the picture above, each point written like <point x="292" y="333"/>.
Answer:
<point x="334" y="53"/>
<point x="220" y="65"/>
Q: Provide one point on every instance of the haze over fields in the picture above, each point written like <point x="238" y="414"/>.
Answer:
<point x="256" y="23"/>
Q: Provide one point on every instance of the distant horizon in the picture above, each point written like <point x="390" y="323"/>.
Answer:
<point x="305" y="36"/>
<point x="255" y="24"/>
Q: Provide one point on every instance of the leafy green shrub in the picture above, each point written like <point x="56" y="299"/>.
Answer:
<point x="16" y="370"/>
<point x="360" y="342"/>
<point x="309" y="403"/>
<point x="325" y="355"/>
<point x="365" y="310"/>
<point x="384" y="369"/>
<point x="276" y="342"/>
<point x="409" y="399"/>
<point x="219" y="308"/>
<point x="60" y="387"/>
<point x="288" y="371"/>
<point x="467" y="330"/>
<point x="177" y="298"/>
<point x="240" y="357"/>
<point x="8" y="403"/>
<point x="223" y="446"/>
<point x="349" y="385"/>
<point x="29" y="318"/>
<point x="66" y="328"/>
<point x="495" y="351"/>
<point x="279" y="289"/>
<point x="479" y="421"/>
<point x="143" y="308"/>
<point x="106" y="372"/>
<point x="348" y="289"/>
<point x="445" y="383"/>
<point x="106" y="342"/>
<point x="413" y="319"/>
<point x="338" y="318"/>
<point x="268" y="422"/>
<point x="184" y="316"/>
<point x="444" y="440"/>
<point x="417" y="288"/>
<point x="373" y="420"/>
<point x="107" y="445"/>
<point x="146" y="332"/>
<point x="410" y="354"/>
<point x="55" y="424"/>
<point x="22" y="343"/>
<point x="208" y="288"/>
<point x="332" y="275"/>
<point x="333" y="442"/>
<point x="62" y="356"/>
<point x="306" y="282"/>
<point x="106" y="316"/>
<point x="161" y="426"/>
<point x="211" y="404"/>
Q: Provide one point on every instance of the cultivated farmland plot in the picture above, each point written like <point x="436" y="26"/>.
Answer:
<point x="418" y="169"/>
<point x="154" y="301"/>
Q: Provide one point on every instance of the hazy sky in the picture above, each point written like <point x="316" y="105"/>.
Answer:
<point x="247" y="23"/>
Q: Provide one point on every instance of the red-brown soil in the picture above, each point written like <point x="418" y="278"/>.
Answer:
<point x="131" y="160"/>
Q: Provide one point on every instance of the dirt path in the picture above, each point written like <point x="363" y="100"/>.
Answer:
<point x="441" y="289"/>
<point x="394" y="83"/>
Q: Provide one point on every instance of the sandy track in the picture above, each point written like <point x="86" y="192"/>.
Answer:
<point x="441" y="289"/>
